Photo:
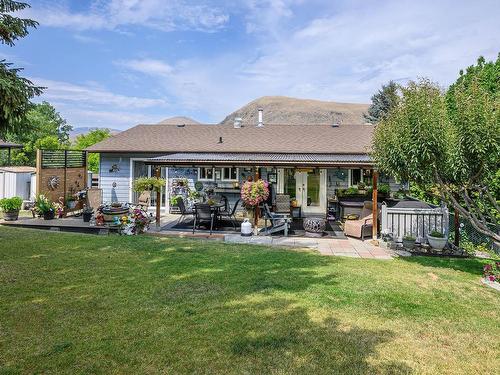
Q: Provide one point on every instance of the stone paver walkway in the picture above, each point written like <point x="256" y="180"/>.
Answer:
<point x="349" y="247"/>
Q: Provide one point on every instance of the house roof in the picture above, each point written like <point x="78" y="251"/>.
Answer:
<point x="315" y="139"/>
<point x="5" y="144"/>
<point x="206" y="158"/>
<point x="18" y="169"/>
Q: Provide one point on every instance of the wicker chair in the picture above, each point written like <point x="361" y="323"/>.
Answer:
<point x="282" y="204"/>
<point x="363" y="226"/>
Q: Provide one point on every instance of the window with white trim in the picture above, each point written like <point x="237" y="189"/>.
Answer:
<point x="229" y="174"/>
<point x="206" y="173"/>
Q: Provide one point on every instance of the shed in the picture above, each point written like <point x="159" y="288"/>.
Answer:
<point x="16" y="181"/>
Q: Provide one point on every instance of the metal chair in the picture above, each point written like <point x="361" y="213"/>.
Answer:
<point x="230" y="214"/>
<point x="203" y="213"/>
<point x="183" y="210"/>
<point x="279" y="222"/>
<point x="223" y="199"/>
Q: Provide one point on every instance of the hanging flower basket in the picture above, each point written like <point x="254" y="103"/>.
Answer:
<point x="254" y="192"/>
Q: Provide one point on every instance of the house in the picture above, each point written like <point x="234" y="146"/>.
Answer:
<point x="311" y="163"/>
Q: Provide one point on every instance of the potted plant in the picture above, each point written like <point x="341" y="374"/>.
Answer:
<point x="437" y="240"/>
<point x="11" y="208"/>
<point x="409" y="242"/>
<point x="44" y="207"/>
<point x="87" y="213"/>
<point x="71" y="201"/>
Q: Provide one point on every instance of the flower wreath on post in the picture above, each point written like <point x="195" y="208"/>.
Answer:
<point x="254" y="193"/>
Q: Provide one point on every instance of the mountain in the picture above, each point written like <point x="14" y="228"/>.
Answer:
<point x="85" y="129"/>
<point x="178" y="120"/>
<point x="285" y="110"/>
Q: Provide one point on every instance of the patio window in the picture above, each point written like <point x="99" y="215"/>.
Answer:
<point x="229" y="174"/>
<point x="356" y="177"/>
<point x="206" y="174"/>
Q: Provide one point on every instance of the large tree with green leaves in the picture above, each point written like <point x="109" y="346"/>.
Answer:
<point x="455" y="147"/>
<point x="16" y="92"/>
<point x="83" y="141"/>
<point x="382" y="103"/>
<point x="44" y="128"/>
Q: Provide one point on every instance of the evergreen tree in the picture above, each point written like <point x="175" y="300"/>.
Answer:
<point x="382" y="103"/>
<point x="15" y="91"/>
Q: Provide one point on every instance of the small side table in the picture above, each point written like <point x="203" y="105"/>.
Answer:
<point x="297" y="208"/>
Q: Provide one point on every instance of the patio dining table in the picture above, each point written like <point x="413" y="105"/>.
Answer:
<point x="215" y="208"/>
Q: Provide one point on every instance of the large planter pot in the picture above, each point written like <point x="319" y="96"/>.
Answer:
<point x="408" y="244"/>
<point x="49" y="215"/>
<point x="11" y="215"/>
<point x="87" y="216"/>
<point x="314" y="226"/>
<point x="437" y="242"/>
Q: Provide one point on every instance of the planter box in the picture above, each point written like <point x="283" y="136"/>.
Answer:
<point x="11" y="215"/>
<point x="437" y="242"/>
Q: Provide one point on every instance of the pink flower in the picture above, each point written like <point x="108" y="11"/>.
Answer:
<point x="491" y="278"/>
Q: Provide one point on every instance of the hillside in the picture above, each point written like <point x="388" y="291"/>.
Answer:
<point x="285" y="110"/>
<point x="84" y="130"/>
<point x="178" y="120"/>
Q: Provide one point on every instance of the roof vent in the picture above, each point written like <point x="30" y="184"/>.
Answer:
<point x="237" y="122"/>
<point x="261" y="122"/>
<point x="220" y="140"/>
<point x="335" y="125"/>
<point x="181" y="125"/>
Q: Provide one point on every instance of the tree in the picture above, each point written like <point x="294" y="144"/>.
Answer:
<point x="83" y="141"/>
<point x="425" y="141"/>
<point x="43" y="128"/>
<point x="15" y="91"/>
<point x="382" y="103"/>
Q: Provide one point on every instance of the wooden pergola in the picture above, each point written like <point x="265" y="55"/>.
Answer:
<point x="4" y="145"/>
<point x="257" y="161"/>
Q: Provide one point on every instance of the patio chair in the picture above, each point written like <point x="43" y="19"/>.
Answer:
<point x="223" y="199"/>
<point x="226" y="214"/>
<point x="94" y="198"/>
<point x="282" y="204"/>
<point x="363" y="226"/>
<point x="144" y="200"/>
<point x="203" y="214"/>
<point x="279" y="222"/>
<point x="183" y="210"/>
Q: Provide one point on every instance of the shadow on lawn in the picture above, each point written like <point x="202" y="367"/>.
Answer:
<point x="250" y="303"/>
<point x="473" y="266"/>
<point x="282" y="338"/>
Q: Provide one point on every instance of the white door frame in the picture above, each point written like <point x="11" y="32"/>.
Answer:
<point x="301" y="192"/>
<point x="166" y="203"/>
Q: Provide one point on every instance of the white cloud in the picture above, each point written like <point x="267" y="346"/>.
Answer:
<point x="92" y="94"/>
<point x="147" y="66"/>
<point x="111" y="15"/>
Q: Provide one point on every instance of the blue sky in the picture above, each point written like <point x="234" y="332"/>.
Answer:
<point x="117" y="63"/>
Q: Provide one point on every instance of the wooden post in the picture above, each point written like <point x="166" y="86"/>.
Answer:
<point x="456" y="218"/>
<point x="257" y="208"/>
<point x="38" y="172"/>
<point x="158" y="197"/>
<point x="8" y="157"/>
<point x="374" y="205"/>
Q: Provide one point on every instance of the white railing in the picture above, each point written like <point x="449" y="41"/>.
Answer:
<point x="416" y="222"/>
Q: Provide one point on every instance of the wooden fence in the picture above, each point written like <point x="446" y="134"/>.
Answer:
<point x="60" y="173"/>
<point x="415" y="222"/>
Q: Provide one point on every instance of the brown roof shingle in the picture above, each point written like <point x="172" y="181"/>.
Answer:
<point x="344" y="139"/>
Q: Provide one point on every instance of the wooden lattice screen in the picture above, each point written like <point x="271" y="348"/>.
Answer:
<point x="60" y="173"/>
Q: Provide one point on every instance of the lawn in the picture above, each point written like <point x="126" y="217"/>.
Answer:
<point x="73" y="303"/>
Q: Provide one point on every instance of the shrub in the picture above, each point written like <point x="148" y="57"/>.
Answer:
<point x="436" y="234"/>
<point x="11" y="204"/>
<point x="491" y="271"/>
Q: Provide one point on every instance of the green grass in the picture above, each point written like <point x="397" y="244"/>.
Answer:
<point x="74" y="304"/>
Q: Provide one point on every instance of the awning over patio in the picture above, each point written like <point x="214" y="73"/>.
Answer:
<point x="262" y="159"/>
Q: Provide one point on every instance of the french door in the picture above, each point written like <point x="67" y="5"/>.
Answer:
<point x="140" y="169"/>
<point x="311" y="190"/>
